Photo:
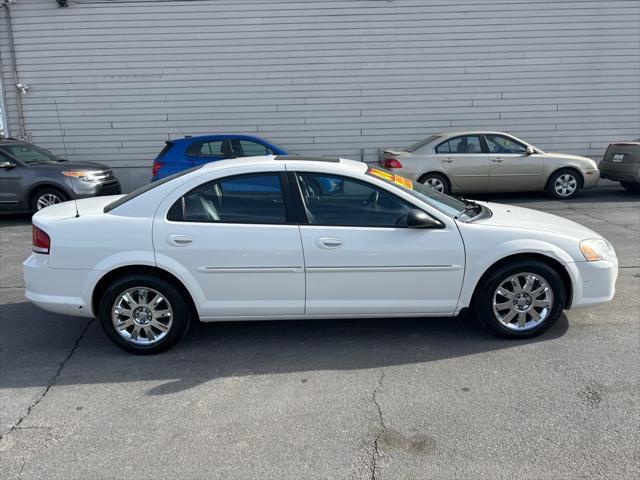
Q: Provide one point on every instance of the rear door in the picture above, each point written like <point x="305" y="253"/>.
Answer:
<point x="465" y="162"/>
<point x="236" y="238"/>
<point x="511" y="168"/>
<point x="361" y="259"/>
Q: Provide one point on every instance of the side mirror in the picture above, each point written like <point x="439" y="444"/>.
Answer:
<point x="530" y="150"/>
<point x="419" y="219"/>
<point x="6" y="164"/>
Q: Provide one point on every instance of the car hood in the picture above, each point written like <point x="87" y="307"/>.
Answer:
<point x="510" y="216"/>
<point x="567" y="156"/>
<point x="73" y="165"/>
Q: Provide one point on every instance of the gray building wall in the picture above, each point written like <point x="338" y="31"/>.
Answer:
<point x="331" y="77"/>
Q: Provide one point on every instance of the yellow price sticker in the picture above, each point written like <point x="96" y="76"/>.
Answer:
<point x="390" y="177"/>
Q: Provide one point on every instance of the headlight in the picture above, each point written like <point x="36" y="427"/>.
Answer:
<point x="84" y="175"/>
<point x="595" y="249"/>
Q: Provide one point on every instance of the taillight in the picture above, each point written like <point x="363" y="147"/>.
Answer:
<point x="156" y="166"/>
<point x="391" y="163"/>
<point x="41" y="241"/>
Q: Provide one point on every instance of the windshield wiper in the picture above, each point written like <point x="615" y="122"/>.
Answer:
<point x="470" y="206"/>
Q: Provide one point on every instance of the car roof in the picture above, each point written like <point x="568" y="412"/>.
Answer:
<point x="220" y="136"/>
<point x="300" y="160"/>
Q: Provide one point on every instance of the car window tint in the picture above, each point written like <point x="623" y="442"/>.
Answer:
<point x="253" y="149"/>
<point x="340" y="201"/>
<point x="205" y="149"/>
<point x="255" y="198"/>
<point x="466" y="144"/>
<point x="502" y="144"/>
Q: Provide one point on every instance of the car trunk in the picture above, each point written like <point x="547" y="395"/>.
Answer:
<point x="72" y="208"/>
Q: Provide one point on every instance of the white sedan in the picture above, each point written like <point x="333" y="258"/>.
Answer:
<point x="293" y="237"/>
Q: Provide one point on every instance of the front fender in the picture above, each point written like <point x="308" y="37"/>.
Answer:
<point x="479" y="262"/>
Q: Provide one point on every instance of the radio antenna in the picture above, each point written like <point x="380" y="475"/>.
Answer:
<point x="64" y="145"/>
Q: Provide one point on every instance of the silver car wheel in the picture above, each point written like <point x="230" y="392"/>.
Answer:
<point x="522" y="301"/>
<point x="565" y="185"/>
<point x="142" y="316"/>
<point x="47" y="199"/>
<point x="434" y="183"/>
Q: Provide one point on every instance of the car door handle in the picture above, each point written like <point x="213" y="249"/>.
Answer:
<point x="329" y="242"/>
<point x="179" y="240"/>
<point x="497" y="160"/>
<point x="448" y="160"/>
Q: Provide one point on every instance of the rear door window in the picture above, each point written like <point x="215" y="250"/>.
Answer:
<point x="253" y="198"/>
<point x="461" y="145"/>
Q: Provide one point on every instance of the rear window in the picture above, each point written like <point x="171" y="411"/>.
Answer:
<point x="421" y="143"/>
<point x="146" y="188"/>
<point x="165" y="149"/>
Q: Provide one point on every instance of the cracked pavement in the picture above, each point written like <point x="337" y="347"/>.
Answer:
<point x="353" y="399"/>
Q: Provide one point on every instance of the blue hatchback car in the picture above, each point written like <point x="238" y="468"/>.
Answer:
<point x="183" y="153"/>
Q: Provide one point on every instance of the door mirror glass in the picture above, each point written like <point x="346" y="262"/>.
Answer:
<point x="530" y="150"/>
<point x="419" y="219"/>
<point x="6" y="164"/>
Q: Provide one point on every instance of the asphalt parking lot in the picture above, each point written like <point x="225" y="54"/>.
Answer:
<point x="384" y="399"/>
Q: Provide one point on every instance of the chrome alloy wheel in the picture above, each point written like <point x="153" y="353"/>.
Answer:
<point x="435" y="183"/>
<point x="565" y="185"/>
<point x="142" y="315"/>
<point x="47" y="200"/>
<point x="522" y="301"/>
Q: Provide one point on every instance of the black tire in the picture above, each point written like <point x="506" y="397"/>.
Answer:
<point x="632" y="187"/>
<point x="574" y="184"/>
<point x="51" y="192"/>
<point x="180" y="318"/>
<point x="436" y="178"/>
<point x="488" y="286"/>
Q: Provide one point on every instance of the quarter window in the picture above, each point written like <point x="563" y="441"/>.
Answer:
<point x="255" y="198"/>
<point x="467" y="144"/>
<point x="502" y="144"/>
<point x="338" y="201"/>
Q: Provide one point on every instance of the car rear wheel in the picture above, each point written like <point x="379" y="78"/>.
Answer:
<point x="436" y="182"/>
<point x="564" y="184"/>
<point x="520" y="300"/>
<point x="143" y="314"/>
<point x="45" y="197"/>
<point x="632" y="187"/>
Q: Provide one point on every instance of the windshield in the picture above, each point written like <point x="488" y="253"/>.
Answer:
<point x="149" y="186"/>
<point x="30" y="154"/>
<point x="446" y="204"/>
<point x="421" y="143"/>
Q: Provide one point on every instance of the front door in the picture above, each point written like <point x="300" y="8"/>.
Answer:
<point x="10" y="183"/>
<point x="465" y="163"/>
<point x="236" y="238"/>
<point x="511" y="168"/>
<point x="362" y="260"/>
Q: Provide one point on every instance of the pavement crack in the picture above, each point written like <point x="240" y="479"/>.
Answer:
<point x="50" y="384"/>
<point x="626" y="226"/>
<point x="383" y="428"/>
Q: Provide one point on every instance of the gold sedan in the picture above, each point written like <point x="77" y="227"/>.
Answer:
<point x="476" y="162"/>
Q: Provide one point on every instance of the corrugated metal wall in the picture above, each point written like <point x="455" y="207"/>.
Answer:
<point x="323" y="77"/>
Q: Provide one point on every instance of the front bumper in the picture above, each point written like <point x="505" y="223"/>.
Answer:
<point x="593" y="283"/>
<point x="97" y="189"/>
<point x="591" y="178"/>
<point x="59" y="290"/>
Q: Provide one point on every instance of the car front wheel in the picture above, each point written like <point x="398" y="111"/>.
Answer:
<point x="46" y="197"/>
<point x="143" y="314"/>
<point x="520" y="300"/>
<point x="632" y="187"/>
<point x="564" y="184"/>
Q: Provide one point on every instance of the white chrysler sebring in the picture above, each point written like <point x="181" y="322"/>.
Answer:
<point x="295" y="237"/>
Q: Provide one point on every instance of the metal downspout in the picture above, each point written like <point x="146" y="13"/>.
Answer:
<point x="12" y="51"/>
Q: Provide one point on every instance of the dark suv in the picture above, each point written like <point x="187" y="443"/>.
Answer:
<point x="32" y="178"/>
